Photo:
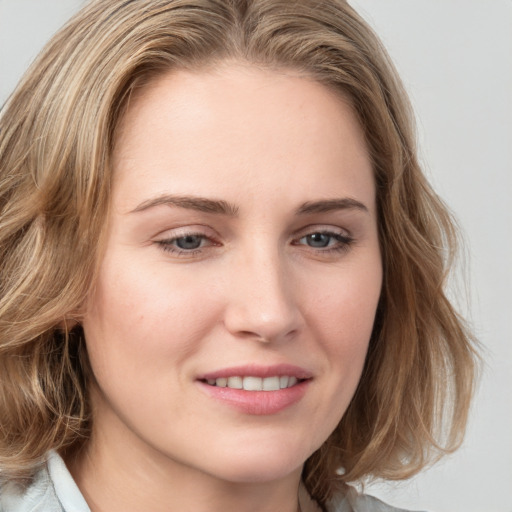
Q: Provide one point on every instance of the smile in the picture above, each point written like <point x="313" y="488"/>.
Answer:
<point x="255" y="389"/>
<point x="251" y="383"/>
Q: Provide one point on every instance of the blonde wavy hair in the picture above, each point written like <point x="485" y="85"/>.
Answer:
<point x="57" y="133"/>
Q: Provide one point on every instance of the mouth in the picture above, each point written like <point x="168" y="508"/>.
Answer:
<point x="254" y="383"/>
<point x="257" y="390"/>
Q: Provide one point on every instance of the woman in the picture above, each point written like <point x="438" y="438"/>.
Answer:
<point x="222" y="268"/>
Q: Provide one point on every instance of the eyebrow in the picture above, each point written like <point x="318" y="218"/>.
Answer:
<point x="221" y="207"/>
<point x="328" y="205"/>
<point x="201" y="204"/>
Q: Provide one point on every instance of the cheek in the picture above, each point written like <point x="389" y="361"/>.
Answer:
<point x="343" y="305"/>
<point x="138" y="321"/>
<point x="340" y="315"/>
<point x="343" y="319"/>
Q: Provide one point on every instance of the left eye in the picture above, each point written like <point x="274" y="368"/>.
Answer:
<point x="325" y="240"/>
<point x="318" y="240"/>
<point x="189" y="242"/>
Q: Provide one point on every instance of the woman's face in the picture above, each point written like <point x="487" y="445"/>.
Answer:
<point x="241" y="250"/>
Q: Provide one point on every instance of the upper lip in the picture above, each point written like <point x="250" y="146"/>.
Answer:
<point x="253" y="370"/>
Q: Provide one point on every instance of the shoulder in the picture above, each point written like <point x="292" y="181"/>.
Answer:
<point x="39" y="496"/>
<point x="51" y="490"/>
<point x="352" y="501"/>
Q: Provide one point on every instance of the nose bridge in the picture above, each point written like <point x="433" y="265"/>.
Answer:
<point x="262" y="303"/>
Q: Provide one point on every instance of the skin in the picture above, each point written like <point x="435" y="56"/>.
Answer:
<point x="259" y="289"/>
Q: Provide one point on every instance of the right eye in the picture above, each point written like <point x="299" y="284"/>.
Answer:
<point x="186" y="244"/>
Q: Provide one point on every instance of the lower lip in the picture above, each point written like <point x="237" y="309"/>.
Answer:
<point x="257" y="403"/>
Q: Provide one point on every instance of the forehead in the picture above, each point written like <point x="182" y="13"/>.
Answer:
<point x="239" y="123"/>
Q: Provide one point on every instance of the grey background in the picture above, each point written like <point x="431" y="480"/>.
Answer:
<point x="455" y="57"/>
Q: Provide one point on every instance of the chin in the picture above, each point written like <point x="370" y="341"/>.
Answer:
<point x="260" y="463"/>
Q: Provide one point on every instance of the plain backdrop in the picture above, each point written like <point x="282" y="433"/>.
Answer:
<point x="455" y="57"/>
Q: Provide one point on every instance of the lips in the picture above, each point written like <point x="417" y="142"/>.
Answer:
<point x="257" y="390"/>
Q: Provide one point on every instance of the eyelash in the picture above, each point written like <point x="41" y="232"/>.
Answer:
<point x="167" y="244"/>
<point x="343" y="243"/>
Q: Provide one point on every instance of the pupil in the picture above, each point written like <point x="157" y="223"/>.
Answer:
<point x="318" y="240"/>
<point x="188" y="242"/>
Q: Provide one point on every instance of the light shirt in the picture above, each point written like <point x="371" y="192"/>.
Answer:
<point x="54" y="490"/>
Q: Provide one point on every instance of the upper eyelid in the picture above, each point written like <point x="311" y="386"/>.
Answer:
<point x="209" y="232"/>
<point x="178" y="232"/>
<point x="204" y="230"/>
<point x="322" y="228"/>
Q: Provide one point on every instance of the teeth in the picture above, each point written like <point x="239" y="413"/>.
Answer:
<point x="221" y="383"/>
<point x="235" y="382"/>
<point x="251" y="383"/>
<point x="271" y="384"/>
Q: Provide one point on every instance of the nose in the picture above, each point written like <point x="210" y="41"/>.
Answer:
<point x="261" y="303"/>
